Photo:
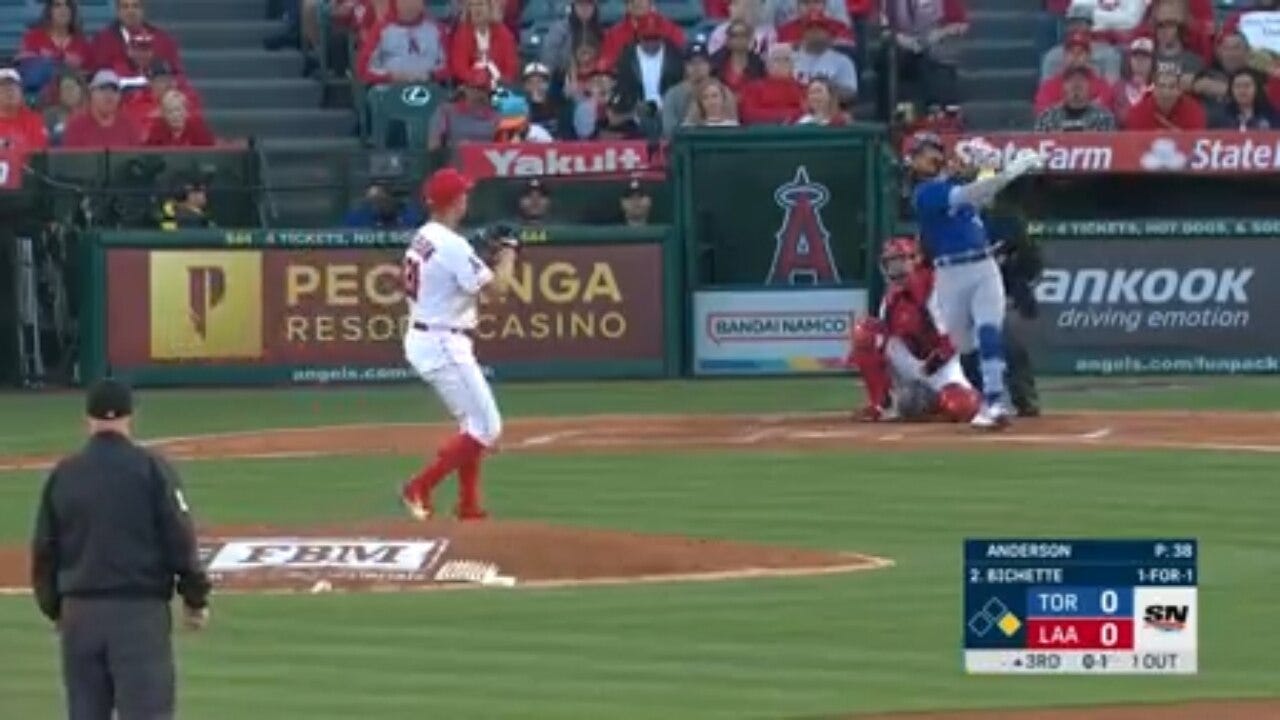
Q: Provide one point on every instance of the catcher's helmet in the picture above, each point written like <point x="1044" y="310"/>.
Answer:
<point x="958" y="402"/>
<point x="899" y="257"/>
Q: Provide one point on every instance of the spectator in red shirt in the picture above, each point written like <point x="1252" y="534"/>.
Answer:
<point x="102" y="124"/>
<point x="143" y="104"/>
<point x="177" y="126"/>
<point x="776" y="98"/>
<point x="110" y="46"/>
<point x="821" y="106"/>
<point x="408" y="48"/>
<point x="20" y="128"/>
<point x="1135" y="78"/>
<point x="792" y="31"/>
<point x="627" y="31"/>
<point x="1076" y="54"/>
<point x="763" y="33"/>
<point x="58" y="36"/>
<point x="1166" y="107"/>
<point x="736" y="64"/>
<point x="482" y="39"/>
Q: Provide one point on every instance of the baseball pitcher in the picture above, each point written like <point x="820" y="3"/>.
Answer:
<point x="443" y="279"/>
<point x="911" y="370"/>
<point x="968" y="301"/>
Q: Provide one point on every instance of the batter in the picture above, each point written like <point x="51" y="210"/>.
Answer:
<point x="968" y="300"/>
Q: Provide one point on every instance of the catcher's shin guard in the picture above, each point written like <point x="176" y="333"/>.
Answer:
<point x="867" y="355"/>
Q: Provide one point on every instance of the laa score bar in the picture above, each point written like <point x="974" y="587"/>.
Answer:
<point x="1084" y="606"/>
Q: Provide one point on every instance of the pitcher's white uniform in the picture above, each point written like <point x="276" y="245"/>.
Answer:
<point x="442" y="280"/>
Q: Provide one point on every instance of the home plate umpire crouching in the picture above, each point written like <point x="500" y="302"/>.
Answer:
<point x="113" y="536"/>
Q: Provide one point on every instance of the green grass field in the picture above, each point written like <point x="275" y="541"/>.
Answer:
<point x="794" y="648"/>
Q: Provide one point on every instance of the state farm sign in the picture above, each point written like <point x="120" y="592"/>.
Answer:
<point x="1206" y="152"/>
<point x="520" y="160"/>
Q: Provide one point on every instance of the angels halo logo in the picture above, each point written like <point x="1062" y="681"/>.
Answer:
<point x="803" y="253"/>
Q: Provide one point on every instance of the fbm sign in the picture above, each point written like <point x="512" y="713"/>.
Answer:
<point x="392" y="556"/>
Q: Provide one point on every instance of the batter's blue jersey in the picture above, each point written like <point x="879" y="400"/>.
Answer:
<point x="945" y="230"/>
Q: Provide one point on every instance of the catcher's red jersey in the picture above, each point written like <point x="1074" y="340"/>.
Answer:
<point x="905" y="313"/>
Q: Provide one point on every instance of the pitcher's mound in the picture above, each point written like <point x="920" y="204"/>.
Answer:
<point x="404" y="555"/>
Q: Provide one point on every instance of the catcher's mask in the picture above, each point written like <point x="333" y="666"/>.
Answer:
<point x="899" y="258"/>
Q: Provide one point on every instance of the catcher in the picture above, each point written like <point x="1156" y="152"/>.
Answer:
<point x="910" y="370"/>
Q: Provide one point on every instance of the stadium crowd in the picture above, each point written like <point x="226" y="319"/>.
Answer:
<point x="1120" y="64"/>
<point x="1164" y="65"/>
<point x="124" y="86"/>
<point x="779" y="63"/>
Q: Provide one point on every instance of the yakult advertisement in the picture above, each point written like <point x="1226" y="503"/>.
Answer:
<point x="773" y="332"/>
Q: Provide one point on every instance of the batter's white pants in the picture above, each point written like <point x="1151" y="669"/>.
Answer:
<point x="965" y="297"/>
<point x="447" y="362"/>
<point x="913" y="392"/>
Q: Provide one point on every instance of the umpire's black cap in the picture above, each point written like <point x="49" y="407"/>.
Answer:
<point x="109" y="400"/>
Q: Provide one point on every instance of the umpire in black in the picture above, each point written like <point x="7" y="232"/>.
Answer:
<point x="113" y="538"/>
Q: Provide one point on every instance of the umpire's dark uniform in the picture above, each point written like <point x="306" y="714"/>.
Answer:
<point x="113" y="536"/>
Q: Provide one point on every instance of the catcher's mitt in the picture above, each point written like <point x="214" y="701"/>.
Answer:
<point x="496" y="237"/>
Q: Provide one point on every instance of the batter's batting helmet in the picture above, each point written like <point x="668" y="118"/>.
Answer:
<point x="958" y="403"/>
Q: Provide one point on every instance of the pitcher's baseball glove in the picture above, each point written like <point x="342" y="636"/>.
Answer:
<point x="496" y="237"/>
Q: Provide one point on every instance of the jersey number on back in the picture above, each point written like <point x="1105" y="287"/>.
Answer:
<point x="411" y="274"/>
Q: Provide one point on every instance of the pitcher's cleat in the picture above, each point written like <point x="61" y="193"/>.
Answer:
<point x="418" y="508"/>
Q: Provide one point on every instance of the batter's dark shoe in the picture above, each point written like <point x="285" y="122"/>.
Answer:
<point x="418" y="507"/>
<point x="467" y="514"/>
<point x="1028" y="411"/>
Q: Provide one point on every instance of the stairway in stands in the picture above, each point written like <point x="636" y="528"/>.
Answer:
<point x="251" y="92"/>
<point x="1001" y="68"/>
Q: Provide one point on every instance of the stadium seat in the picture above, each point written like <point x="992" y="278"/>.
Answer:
<point x="539" y="12"/>
<point x="393" y="107"/>
<point x="611" y="11"/>
<point x="531" y="40"/>
<point x="686" y="13"/>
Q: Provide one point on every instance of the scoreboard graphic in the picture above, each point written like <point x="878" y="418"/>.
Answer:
<point x="1037" y="606"/>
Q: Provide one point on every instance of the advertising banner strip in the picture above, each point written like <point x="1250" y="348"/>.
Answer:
<point x="339" y="315"/>
<point x="1173" y="306"/>
<point x="603" y="160"/>
<point x="1204" y="152"/>
<point x="781" y="331"/>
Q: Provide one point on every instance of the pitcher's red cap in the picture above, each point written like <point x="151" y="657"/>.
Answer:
<point x="444" y="187"/>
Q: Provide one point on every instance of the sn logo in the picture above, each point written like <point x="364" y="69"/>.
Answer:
<point x="1168" y="618"/>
